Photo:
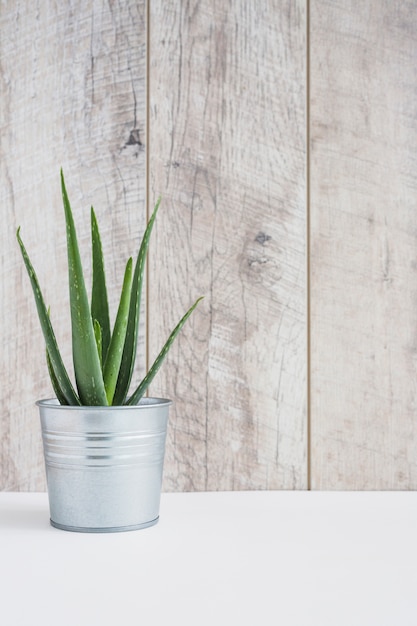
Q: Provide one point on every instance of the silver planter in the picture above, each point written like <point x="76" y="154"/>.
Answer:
<point x="104" y="464"/>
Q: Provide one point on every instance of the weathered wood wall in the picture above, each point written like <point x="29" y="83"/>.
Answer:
<point x="72" y="95"/>
<point x="227" y="152"/>
<point x="363" y="244"/>
<point x="281" y="135"/>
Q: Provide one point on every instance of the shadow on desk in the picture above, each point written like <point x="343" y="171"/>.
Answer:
<point x="28" y="515"/>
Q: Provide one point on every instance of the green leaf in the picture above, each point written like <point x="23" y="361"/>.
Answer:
<point x="99" y="341"/>
<point x="48" y="333"/>
<point x="129" y="350"/>
<point x="87" y="367"/>
<point x="55" y="384"/>
<point x="99" y="301"/>
<point x="138" y="393"/>
<point x="114" y="355"/>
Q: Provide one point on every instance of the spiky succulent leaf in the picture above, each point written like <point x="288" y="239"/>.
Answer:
<point x="87" y="367"/>
<point x="114" y="354"/>
<point x="54" y="381"/>
<point x="129" y="351"/>
<point x="138" y="393"/>
<point x="99" y="300"/>
<point x="48" y="333"/>
<point x="99" y="341"/>
<point x="55" y="384"/>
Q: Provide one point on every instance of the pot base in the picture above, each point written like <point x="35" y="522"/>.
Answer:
<point x="109" y="529"/>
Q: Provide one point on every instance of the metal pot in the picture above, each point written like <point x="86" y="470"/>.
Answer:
<point x="104" y="464"/>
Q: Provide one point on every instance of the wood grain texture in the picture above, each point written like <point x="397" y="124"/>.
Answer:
<point x="227" y="153"/>
<point x="363" y="244"/>
<point x="72" y="95"/>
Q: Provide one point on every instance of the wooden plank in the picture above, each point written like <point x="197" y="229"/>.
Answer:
<point x="73" y="95"/>
<point x="363" y="244"/>
<point x="227" y="152"/>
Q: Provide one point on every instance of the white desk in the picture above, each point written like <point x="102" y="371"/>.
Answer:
<point x="260" y="558"/>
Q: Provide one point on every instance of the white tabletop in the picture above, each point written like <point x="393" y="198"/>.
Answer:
<point x="259" y="558"/>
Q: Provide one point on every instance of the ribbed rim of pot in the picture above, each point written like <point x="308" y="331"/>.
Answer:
<point x="145" y="402"/>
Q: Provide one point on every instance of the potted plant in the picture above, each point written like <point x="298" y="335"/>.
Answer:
<point x="103" y="445"/>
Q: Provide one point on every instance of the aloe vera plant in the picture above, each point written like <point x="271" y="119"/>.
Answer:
<point x="103" y="359"/>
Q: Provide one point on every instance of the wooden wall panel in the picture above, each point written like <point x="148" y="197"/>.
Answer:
<point x="227" y="151"/>
<point x="363" y="244"/>
<point x="72" y="93"/>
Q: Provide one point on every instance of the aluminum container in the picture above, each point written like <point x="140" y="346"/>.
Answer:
<point x="104" y="464"/>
